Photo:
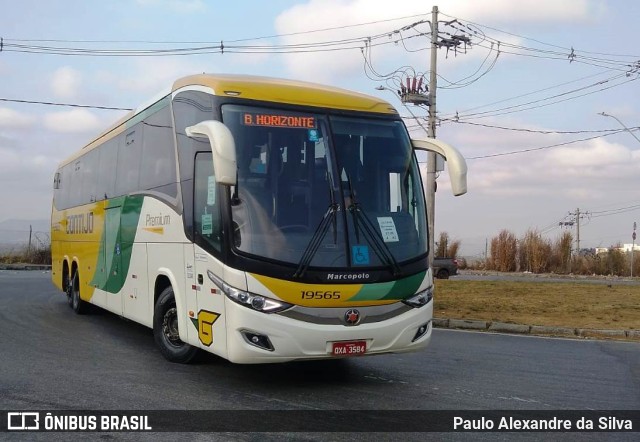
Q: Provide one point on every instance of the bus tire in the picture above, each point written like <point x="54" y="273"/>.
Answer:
<point x="165" y="330"/>
<point x="68" y="289"/>
<point x="77" y="304"/>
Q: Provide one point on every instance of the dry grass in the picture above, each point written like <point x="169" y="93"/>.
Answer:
<point x="563" y="304"/>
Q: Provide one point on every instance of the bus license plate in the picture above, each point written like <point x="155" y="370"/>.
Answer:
<point x="349" y="348"/>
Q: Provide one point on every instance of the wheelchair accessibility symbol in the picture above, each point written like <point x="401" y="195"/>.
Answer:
<point x="360" y="255"/>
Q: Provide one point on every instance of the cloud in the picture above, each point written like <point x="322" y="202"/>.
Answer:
<point x="73" y="121"/>
<point x="148" y="77"/>
<point x="66" y="82"/>
<point x="294" y="25"/>
<point x="524" y="11"/>
<point x="588" y="173"/>
<point x="11" y="119"/>
<point x="8" y="160"/>
<point x="181" y="6"/>
<point x="595" y="153"/>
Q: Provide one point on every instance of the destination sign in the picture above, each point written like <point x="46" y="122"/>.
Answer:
<point x="274" y="120"/>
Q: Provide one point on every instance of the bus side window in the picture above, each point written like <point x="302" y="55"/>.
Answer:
<point x="189" y="108"/>
<point x="62" y="193"/>
<point x="158" y="166"/>
<point x="129" y="155"/>
<point x="108" y="153"/>
<point x="90" y="166"/>
<point x="206" y="212"/>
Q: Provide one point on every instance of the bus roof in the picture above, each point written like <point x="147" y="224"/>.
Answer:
<point x="287" y="92"/>
<point x="258" y="88"/>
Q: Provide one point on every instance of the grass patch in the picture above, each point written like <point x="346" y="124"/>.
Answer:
<point x="561" y="304"/>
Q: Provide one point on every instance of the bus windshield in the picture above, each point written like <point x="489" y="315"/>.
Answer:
<point x="325" y="191"/>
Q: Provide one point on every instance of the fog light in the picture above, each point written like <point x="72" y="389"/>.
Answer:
<point x="422" y="330"/>
<point x="257" y="302"/>
<point x="257" y="340"/>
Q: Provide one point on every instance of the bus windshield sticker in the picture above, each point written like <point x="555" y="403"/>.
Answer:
<point x="211" y="190"/>
<point x="360" y="255"/>
<point x="207" y="224"/>
<point x="388" y="229"/>
<point x="272" y="120"/>
<point x="313" y="135"/>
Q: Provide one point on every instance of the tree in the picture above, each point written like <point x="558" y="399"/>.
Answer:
<point x="562" y="253"/>
<point x="534" y="252"/>
<point x="446" y="247"/>
<point x="503" y="252"/>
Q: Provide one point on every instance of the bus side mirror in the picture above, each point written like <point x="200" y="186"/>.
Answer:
<point x="456" y="163"/>
<point x="222" y="146"/>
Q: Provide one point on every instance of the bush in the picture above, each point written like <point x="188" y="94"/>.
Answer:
<point x="22" y="255"/>
<point x="445" y="247"/>
<point x="503" y="252"/>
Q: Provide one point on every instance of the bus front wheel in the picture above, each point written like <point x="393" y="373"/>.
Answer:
<point x="165" y="330"/>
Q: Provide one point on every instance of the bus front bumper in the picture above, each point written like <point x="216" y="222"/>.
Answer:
<point x="256" y="337"/>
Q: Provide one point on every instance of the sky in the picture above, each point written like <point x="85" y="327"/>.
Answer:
<point x="521" y="101"/>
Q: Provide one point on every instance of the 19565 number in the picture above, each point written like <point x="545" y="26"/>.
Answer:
<point x="308" y="294"/>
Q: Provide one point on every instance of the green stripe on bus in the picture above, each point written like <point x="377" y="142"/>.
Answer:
<point x="114" y="257"/>
<point x="400" y="289"/>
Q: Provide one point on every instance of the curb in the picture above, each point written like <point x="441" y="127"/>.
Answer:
<point x="536" y="330"/>
<point x="25" y="267"/>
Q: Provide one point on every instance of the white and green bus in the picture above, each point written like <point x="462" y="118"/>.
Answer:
<point x="262" y="220"/>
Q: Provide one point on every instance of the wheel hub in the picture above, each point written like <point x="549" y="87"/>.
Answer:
<point x="170" y="326"/>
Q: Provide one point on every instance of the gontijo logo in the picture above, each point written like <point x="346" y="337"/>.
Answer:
<point x="80" y="223"/>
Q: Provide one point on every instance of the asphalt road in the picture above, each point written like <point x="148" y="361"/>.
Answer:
<point x="51" y="358"/>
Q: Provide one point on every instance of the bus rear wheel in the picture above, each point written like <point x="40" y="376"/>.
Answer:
<point x="165" y="330"/>
<point x="73" y="295"/>
<point x="68" y="289"/>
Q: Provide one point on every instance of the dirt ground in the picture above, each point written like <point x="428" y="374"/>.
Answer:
<point x="562" y="304"/>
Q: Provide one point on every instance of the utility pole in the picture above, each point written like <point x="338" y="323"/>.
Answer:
<point x="633" y="245"/>
<point x="29" y="247"/>
<point x="578" y="230"/>
<point x="413" y="93"/>
<point x="577" y="214"/>
<point x="431" y="133"/>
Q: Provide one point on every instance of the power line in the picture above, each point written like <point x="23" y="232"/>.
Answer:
<point x="534" y="149"/>
<point x="527" y="94"/>
<point x="539" y="41"/>
<point x="627" y="65"/>
<point x="333" y="28"/>
<point x="539" y="131"/>
<point x="535" y="104"/>
<point x="521" y="129"/>
<point x="27" y="46"/>
<point x="49" y="103"/>
<point x="617" y="211"/>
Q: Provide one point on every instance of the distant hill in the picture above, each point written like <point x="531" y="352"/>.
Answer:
<point x="16" y="231"/>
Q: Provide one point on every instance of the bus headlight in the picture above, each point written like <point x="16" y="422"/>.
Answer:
<point x="246" y="299"/>
<point x="420" y="298"/>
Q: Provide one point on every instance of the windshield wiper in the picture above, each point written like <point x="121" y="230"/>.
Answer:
<point x="328" y="218"/>
<point x="377" y="243"/>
